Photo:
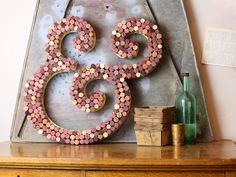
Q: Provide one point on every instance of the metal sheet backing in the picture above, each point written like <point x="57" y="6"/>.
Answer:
<point x="158" y="88"/>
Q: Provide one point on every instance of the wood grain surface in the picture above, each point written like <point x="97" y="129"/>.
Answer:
<point x="38" y="173"/>
<point x="204" y="156"/>
<point x="154" y="174"/>
<point x="230" y="174"/>
<point x="216" y="159"/>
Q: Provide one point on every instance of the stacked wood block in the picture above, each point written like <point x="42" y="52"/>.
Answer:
<point x="153" y="125"/>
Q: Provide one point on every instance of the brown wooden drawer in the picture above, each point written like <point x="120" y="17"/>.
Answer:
<point x="230" y="174"/>
<point x="39" y="173"/>
<point x="152" y="174"/>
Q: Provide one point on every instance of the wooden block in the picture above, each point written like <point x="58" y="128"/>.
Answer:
<point x="154" y="116"/>
<point x="143" y="123"/>
<point x="167" y="120"/>
<point x="155" y="108"/>
<point x="153" y="137"/>
<point x="157" y="112"/>
<point x="157" y="127"/>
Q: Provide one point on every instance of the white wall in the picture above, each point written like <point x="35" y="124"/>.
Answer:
<point x="219" y="82"/>
<point x="15" y="23"/>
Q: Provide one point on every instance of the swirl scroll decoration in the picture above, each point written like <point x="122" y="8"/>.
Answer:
<point x="117" y="75"/>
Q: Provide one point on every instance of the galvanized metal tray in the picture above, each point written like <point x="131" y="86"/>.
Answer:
<point x="158" y="88"/>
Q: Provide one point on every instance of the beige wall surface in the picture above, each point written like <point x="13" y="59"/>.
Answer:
<point x="15" y="23"/>
<point x="219" y="83"/>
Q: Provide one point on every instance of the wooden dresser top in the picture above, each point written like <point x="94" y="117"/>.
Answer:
<point x="115" y="156"/>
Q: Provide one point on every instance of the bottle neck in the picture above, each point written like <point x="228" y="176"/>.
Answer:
<point x="186" y="84"/>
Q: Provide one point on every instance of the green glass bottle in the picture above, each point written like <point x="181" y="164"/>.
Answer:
<point x="186" y="111"/>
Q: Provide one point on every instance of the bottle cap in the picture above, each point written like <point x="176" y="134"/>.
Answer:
<point x="185" y="74"/>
